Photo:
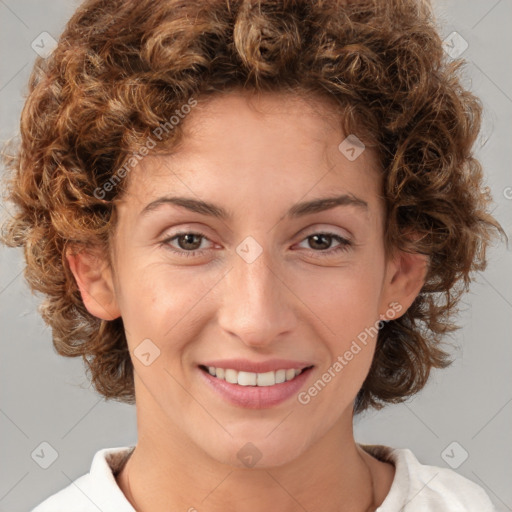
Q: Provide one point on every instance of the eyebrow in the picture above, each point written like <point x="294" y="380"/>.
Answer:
<point x="296" y="211"/>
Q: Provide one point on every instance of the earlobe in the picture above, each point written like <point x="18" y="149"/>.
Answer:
<point x="94" y="279"/>
<point x="406" y="277"/>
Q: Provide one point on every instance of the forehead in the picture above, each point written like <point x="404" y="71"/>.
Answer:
<point x="275" y="145"/>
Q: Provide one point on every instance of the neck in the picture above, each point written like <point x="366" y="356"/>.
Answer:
<point x="167" y="472"/>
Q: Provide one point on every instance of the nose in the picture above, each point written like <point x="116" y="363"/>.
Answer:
<point x="257" y="302"/>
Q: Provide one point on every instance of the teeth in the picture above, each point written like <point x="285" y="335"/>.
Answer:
<point x="290" y="374"/>
<point x="231" y="376"/>
<point x="246" y="379"/>
<point x="266" y="379"/>
<point x="280" y="376"/>
<point x="253" y="379"/>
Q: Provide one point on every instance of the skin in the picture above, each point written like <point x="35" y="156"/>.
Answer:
<point x="256" y="157"/>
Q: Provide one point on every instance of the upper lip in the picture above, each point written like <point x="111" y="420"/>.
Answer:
<point x="244" y="365"/>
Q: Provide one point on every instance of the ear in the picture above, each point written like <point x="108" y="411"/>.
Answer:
<point x="405" y="276"/>
<point x="94" y="279"/>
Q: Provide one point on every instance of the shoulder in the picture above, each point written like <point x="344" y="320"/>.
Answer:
<point x="96" y="490"/>
<point x="428" y="488"/>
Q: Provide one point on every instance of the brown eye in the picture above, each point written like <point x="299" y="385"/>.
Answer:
<point x="321" y="242"/>
<point x="186" y="243"/>
<point x="189" y="241"/>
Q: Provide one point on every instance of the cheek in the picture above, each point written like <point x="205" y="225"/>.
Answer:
<point x="162" y="303"/>
<point x="349" y="316"/>
<point x="345" y="299"/>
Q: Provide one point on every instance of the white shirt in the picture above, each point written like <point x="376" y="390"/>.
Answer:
<point x="416" y="487"/>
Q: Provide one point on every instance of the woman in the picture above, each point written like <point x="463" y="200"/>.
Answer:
<point x="253" y="220"/>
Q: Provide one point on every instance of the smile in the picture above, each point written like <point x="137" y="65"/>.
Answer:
<point x="255" y="390"/>
<point x="242" y="378"/>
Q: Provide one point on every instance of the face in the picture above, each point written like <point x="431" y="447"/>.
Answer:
<point x="258" y="283"/>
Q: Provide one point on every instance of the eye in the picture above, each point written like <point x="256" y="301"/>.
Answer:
<point x="189" y="243"/>
<point x="321" y="241"/>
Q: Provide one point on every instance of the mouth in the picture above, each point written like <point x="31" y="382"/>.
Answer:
<point x="255" y="390"/>
<point x="242" y="378"/>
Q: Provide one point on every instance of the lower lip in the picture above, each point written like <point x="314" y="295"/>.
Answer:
<point x="256" y="397"/>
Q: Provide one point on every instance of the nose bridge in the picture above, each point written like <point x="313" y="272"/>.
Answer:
<point x="255" y="305"/>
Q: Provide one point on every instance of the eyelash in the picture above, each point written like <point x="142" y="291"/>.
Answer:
<point x="344" y="246"/>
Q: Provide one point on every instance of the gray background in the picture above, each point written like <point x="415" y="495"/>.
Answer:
<point x="46" y="398"/>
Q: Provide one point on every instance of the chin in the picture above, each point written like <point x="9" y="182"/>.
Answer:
<point x="257" y="451"/>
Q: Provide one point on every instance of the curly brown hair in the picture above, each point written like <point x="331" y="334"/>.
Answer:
<point x="123" y="67"/>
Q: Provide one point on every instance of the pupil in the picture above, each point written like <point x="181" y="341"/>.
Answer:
<point x="188" y="240"/>
<point x="325" y="244"/>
